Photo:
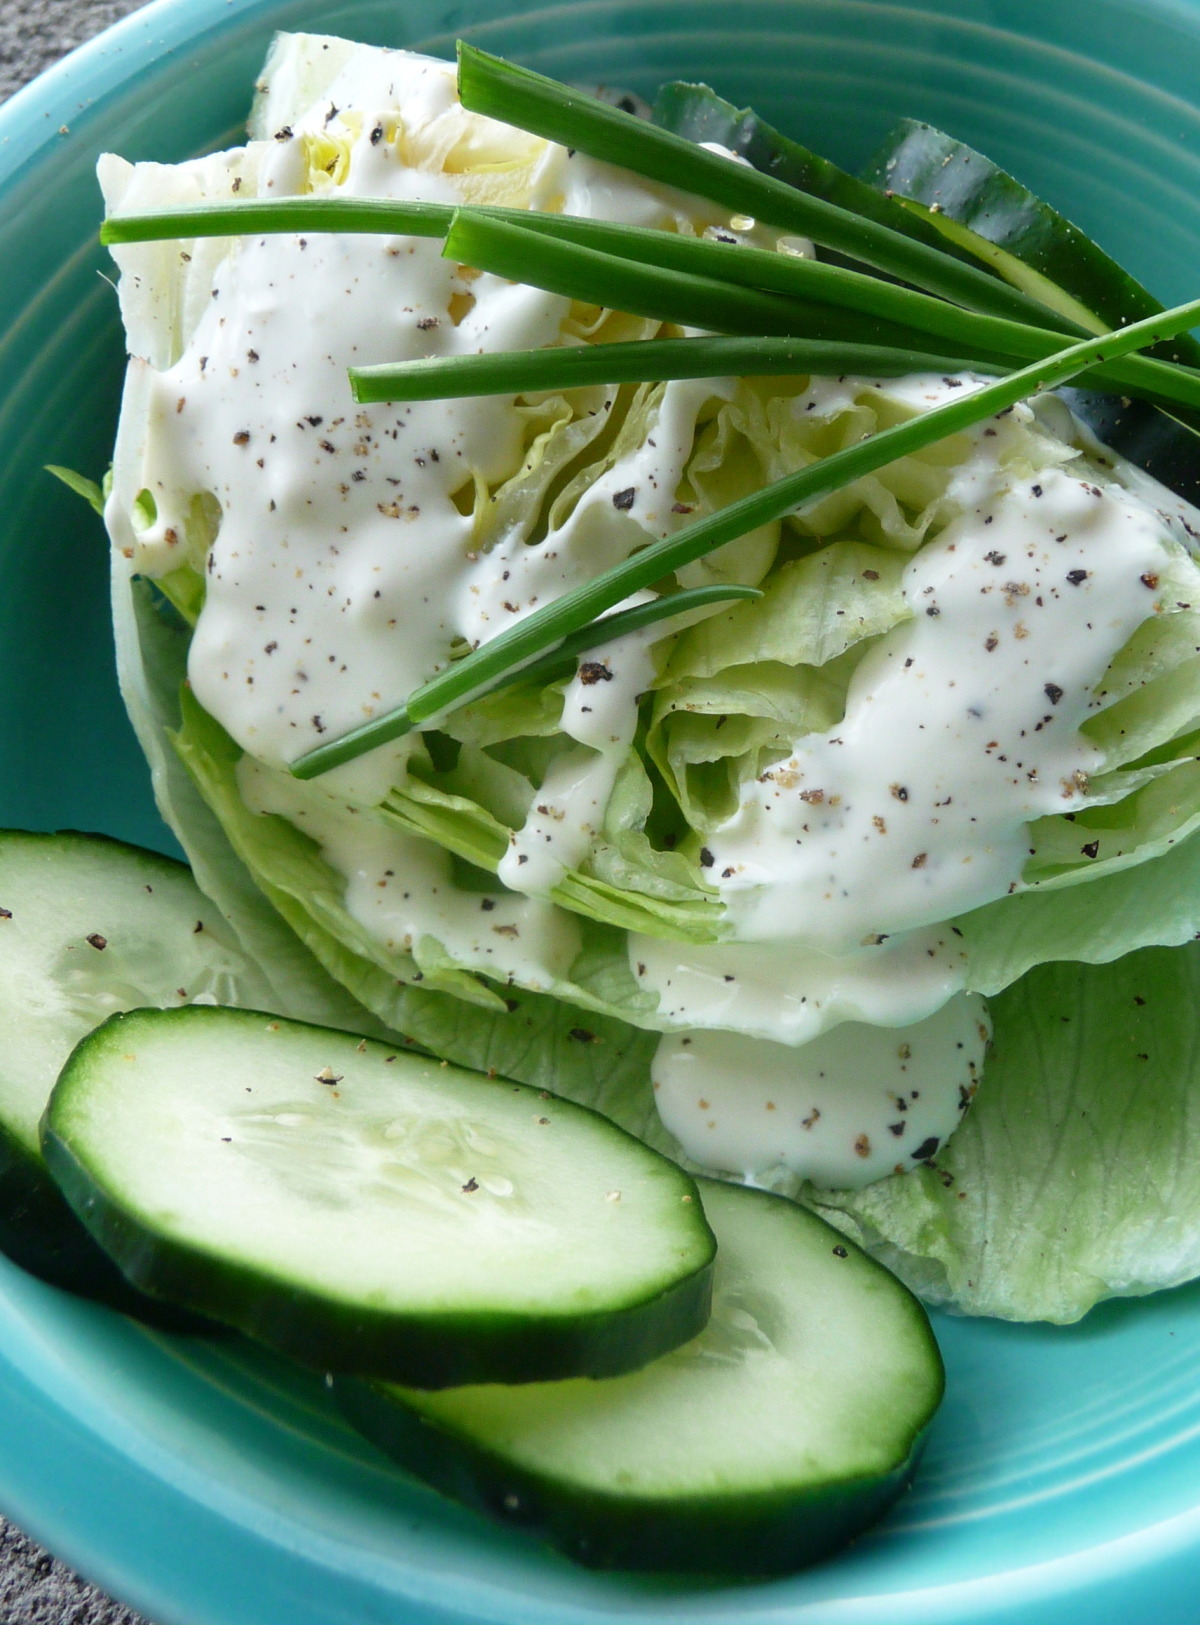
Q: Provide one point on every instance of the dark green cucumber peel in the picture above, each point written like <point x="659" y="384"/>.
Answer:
<point x="753" y="1537"/>
<point x="699" y="114"/>
<point x="423" y="1348"/>
<point x="958" y="190"/>
<point x="1152" y="438"/>
<point x="40" y="1232"/>
<point x="721" y="1531"/>
<point x="925" y="169"/>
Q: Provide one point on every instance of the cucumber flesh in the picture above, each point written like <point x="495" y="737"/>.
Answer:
<point x="88" y="925"/>
<point x="364" y="1208"/>
<point x="787" y="1427"/>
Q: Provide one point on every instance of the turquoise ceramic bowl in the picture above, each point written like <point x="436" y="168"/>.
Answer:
<point x="212" y="1485"/>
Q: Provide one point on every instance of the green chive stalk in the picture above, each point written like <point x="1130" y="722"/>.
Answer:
<point x="643" y="361"/>
<point x="518" y="96"/>
<point x="545" y="629"/>
<point x="810" y="299"/>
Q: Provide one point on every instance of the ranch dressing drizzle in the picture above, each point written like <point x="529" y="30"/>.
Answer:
<point x="567" y="812"/>
<point x="790" y="992"/>
<point x="847" y="1108"/>
<point x="343" y="570"/>
<point x="961" y="726"/>
<point x="401" y="888"/>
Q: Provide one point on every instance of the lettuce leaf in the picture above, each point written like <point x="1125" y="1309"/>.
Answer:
<point x="812" y="610"/>
<point x="708" y="735"/>
<point x="1076" y="1174"/>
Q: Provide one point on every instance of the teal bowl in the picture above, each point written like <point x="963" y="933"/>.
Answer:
<point x="212" y="1485"/>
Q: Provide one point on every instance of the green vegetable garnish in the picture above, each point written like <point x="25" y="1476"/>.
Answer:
<point x="532" y="102"/>
<point x="547" y="627"/>
<point x="670" y="277"/>
<point x="610" y="627"/>
<point x="522" y="372"/>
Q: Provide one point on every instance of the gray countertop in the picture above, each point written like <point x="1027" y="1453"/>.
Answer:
<point x="35" y="1588"/>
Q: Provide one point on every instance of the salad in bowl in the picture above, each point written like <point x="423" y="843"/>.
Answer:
<point x="587" y="625"/>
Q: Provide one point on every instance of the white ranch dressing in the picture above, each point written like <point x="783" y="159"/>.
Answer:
<point x="566" y="814"/>
<point x="961" y="725"/>
<point x="344" y="568"/>
<point x="790" y="992"/>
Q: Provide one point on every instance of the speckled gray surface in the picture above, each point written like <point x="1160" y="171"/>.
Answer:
<point x="36" y="1589"/>
<point x="36" y="33"/>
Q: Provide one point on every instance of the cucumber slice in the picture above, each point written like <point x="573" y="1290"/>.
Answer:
<point x="88" y="925"/>
<point x="979" y="208"/>
<point x="788" y="1426"/>
<point x="368" y="1209"/>
<point x="699" y="114"/>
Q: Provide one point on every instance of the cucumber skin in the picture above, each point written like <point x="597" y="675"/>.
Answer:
<point x="921" y="162"/>
<point x="767" y="1534"/>
<point x="699" y="114"/>
<point x="744" y="1535"/>
<point x="38" y="1229"/>
<point x="429" y="1352"/>
<point x="40" y="1232"/>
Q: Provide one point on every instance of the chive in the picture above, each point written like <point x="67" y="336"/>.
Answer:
<point x="253" y="217"/>
<point x="642" y="361"/>
<point x="577" y="272"/>
<point x="568" y="267"/>
<point x="532" y="102"/>
<point x="549" y="262"/>
<point x="611" y="627"/>
<point x="979" y="341"/>
<point x="542" y="668"/>
<point x="968" y="333"/>
<point x="545" y="629"/>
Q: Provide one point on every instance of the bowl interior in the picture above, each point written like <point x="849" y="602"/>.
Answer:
<point x="211" y="1483"/>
